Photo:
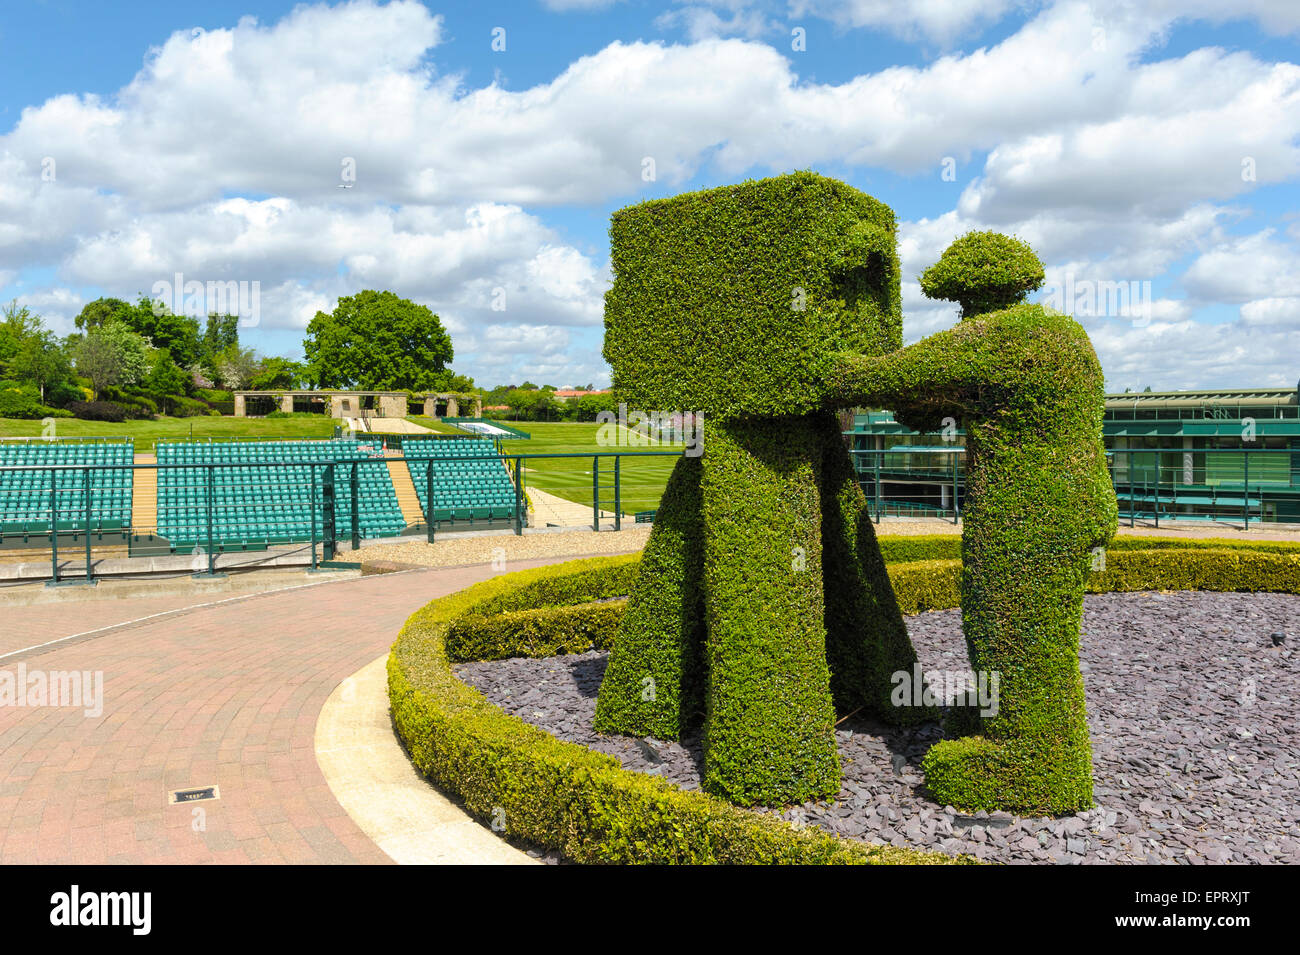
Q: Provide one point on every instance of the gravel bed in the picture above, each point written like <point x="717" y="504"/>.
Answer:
<point x="1195" y="715"/>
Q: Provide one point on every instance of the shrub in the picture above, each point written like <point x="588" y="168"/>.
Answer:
<point x="1038" y="500"/>
<point x="182" y="407"/>
<point x="564" y="796"/>
<point x="984" y="272"/>
<point x="98" y="411"/>
<point x="17" y="403"/>
<point x="541" y="632"/>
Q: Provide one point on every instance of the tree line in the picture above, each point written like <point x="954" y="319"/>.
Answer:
<point x="136" y="360"/>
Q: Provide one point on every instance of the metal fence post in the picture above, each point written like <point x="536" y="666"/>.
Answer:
<point x="955" y="515"/>
<point x="595" y="493"/>
<point x="85" y="486"/>
<point x="618" y="497"/>
<point x="54" y="525"/>
<point x="1131" y="491"/>
<point x="329" y="514"/>
<point x="428" y="500"/>
<point x="876" y="459"/>
<point x="212" y="557"/>
<point x="356" y="514"/>
<point x="313" y="518"/>
<point x="1245" y="496"/>
<point x="1155" y="502"/>
<point x="519" y="496"/>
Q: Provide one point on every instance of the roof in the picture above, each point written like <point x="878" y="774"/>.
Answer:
<point x="1235" y="396"/>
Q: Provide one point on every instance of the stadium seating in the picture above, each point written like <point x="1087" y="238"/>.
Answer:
<point x="25" y="495"/>
<point x="257" y="504"/>
<point x="464" y="490"/>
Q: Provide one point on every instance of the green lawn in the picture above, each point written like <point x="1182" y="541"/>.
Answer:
<point x="642" y="479"/>
<point x="433" y="424"/>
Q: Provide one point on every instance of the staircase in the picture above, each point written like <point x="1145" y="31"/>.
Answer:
<point x="407" y="499"/>
<point x="144" y="496"/>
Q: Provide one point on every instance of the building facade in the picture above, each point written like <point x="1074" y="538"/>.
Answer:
<point x="1219" y="455"/>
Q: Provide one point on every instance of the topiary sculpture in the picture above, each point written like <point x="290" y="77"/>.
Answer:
<point x="762" y="607"/>
<point x="984" y="272"/>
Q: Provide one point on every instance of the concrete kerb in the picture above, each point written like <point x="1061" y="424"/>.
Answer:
<point x="373" y="780"/>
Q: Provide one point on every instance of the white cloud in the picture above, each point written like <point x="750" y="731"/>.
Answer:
<point x="1269" y="312"/>
<point x="1111" y="162"/>
<point x="1244" y="268"/>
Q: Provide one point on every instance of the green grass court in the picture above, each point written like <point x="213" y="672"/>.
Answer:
<point x="642" y="480"/>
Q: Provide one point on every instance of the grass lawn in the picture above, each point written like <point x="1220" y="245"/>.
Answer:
<point x="433" y="424"/>
<point x="642" y="479"/>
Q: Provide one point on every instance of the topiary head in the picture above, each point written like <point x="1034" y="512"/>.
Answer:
<point x="984" y="272"/>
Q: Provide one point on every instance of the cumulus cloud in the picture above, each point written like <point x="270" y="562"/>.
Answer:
<point x="224" y="157"/>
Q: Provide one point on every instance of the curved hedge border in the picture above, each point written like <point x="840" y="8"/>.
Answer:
<point x="564" y="796"/>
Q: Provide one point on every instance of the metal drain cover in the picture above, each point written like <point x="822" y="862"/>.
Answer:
<point x="178" y="796"/>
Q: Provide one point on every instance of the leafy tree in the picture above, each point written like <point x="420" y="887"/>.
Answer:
<point x="588" y="406"/>
<point x="112" y="354"/>
<point x="165" y="376"/>
<point x="42" y="361"/>
<point x="278" y="374"/>
<point x="102" y="311"/>
<point x="236" y="366"/>
<point x="376" y="341"/>
<point x="219" y="334"/>
<point x="984" y="272"/>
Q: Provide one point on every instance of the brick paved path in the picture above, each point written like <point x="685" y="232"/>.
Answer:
<point x="226" y="694"/>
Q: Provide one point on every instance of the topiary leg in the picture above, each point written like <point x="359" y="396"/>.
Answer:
<point x="866" y="639"/>
<point x="769" y="733"/>
<point x="654" y="683"/>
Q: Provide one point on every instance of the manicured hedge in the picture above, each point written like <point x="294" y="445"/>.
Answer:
<point x="730" y="301"/>
<point x="564" y="796"/>
<point x="654" y="684"/>
<point x="901" y="549"/>
<point x="544" y="632"/>
<point x="1029" y="389"/>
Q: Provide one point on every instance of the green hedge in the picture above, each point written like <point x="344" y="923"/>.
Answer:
<point x="563" y="796"/>
<point x="729" y="301"/>
<point x="901" y="549"/>
<point x="654" y="684"/>
<point x="544" y="632"/>
<point x="1028" y="388"/>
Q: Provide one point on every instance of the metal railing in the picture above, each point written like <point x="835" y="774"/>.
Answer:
<point x="1250" y="484"/>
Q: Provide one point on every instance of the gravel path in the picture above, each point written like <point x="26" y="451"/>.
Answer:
<point x="1195" y="717"/>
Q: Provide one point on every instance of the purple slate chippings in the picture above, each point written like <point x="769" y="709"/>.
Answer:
<point x="1194" y="709"/>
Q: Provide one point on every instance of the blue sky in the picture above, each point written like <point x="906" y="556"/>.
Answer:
<point x="1146" y="144"/>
